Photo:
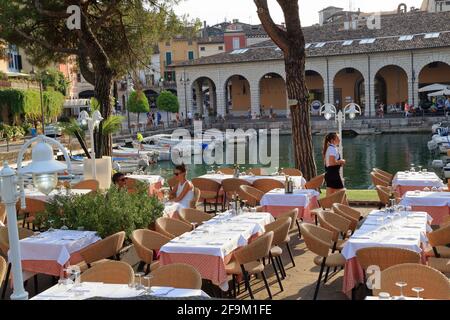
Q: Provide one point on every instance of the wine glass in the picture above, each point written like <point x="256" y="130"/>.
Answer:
<point x="412" y="167"/>
<point x="418" y="290"/>
<point x="50" y="222"/>
<point x="401" y="284"/>
<point x="64" y="227"/>
<point x="139" y="285"/>
<point x="420" y="168"/>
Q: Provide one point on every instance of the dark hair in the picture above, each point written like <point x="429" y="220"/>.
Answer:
<point x="327" y="141"/>
<point x="181" y="167"/>
<point x="116" y="177"/>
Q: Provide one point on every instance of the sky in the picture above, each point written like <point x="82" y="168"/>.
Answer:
<point x="215" y="11"/>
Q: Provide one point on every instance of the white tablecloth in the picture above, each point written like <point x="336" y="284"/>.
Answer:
<point x="298" y="181"/>
<point x="300" y="198"/>
<point x="419" y="179"/>
<point x="97" y="289"/>
<point x="408" y="232"/>
<point x="57" y="245"/>
<point x="41" y="196"/>
<point x="220" y="235"/>
<point x="426" y="199"/>
<point x="150" y="179"/>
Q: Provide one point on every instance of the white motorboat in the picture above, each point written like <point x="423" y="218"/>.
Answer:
<point x="162" y="154"/>
<point x="194" y="146"/>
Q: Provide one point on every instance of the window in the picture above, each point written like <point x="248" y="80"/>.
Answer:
<point x="167" y="43"/>
<point x="239" y="51"/>
<point x="406" y="38"/>
<point x="236" y="43"/>
<point x="14" y="59"/>
<point x="307" y="45"/>
<point x="168" y="58"/>
<point x="221" y="48"/>
<point x="189" y="42"/>
<point x="432" y="35"/>
<point x="202" y="48"/>
<point x="367" y="41"/>
<point x="320" y="45"/>
<point x="191" y="55"/>
<point x="347" y="43"/>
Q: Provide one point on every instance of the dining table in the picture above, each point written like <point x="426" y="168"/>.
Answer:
<point x="405" y="181"/>
<point x="210" y="246"/>
<point x="89" y="290"/>
<point x="154" y="182"/>
<point x="51" y="251"/>
<point x="436" y="204"/>
<point x="277" y="202"/>
<point x="35" y="194"/>
<point x="401" y="229"/>
<point x="299" y="181"/>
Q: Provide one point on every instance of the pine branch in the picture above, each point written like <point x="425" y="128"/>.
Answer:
<point x="278" y="35"/>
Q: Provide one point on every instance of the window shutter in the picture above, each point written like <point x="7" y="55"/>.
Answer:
<point x="19" y="62"/>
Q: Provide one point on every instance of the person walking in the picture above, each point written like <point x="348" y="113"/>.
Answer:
<point x="333" y="163"/>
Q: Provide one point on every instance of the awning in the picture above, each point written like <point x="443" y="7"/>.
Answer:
<point x="445" y="92"/>
<point x="434" y="87"/>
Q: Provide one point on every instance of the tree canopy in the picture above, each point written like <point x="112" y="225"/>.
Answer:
<point x="167" y="101"/>
<point x="138" y="102"/>
<point x="52" y="78"/>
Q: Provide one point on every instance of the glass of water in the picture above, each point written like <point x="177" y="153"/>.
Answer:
<point x="401" y="285"/>
<point x="418" y="290"/>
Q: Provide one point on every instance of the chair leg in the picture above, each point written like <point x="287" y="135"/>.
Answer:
<point x="6" y="282"/>
<point x="234" y="286"/>
<point x="290" y="253"/>
<point x="204" y="205"/>
<point x="322" y="266"/>
<point x="266" y="284"/>
<point x="276" y="272"/>
<point x="280" y="265"/>
<point x="326" y="275"/>
<point x="315" y="219"/>
<point x="147" y="270"/>
<point x="298" y="227"/>
<point x="36" y="287"/>
<point x="247" y="282"/>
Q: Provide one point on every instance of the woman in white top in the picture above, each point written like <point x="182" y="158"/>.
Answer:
<point x="183" y="192"/>
<point x="333" y="163"/>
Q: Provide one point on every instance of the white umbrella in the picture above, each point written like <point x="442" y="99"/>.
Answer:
<point x="434" y="87"/>
<point x="445" y="92"/>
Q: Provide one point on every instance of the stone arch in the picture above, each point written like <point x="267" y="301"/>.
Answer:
<point x="272" y="94"/>
<point x="390" y="85"/>
<point x="349" y="86"/>
<point x="237" y="95"/>
<point x="204" y="96"/>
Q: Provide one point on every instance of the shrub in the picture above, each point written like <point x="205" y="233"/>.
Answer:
<point x="106" y="213"/>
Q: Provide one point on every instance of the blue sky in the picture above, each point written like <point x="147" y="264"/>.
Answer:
<point x="214" y="11"/>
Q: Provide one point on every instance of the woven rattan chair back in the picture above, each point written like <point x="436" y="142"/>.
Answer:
<point x="337" y="197"/>
<point x="435" y="284"/>
<point x="293" y="214"/>
<point x="4" y="238"/>
<point x="440" y="237"/>
<point x="227" y="171"/>
<point x="315" y="183"/>
<point x="266" y="184"/>
<point x="195" y="199"/>
<point x="177" y="275"/>
<point x="90" y="184"/>
<point x="3" y="267"/>
<point x="252" y="195"/>
<point x="334" y="223"/>
<point x="292" y="172"/>
<point x="348" y="213"/>
<point x="190" y="215"/>
<point x="2" y="214"/>
<point x="385" y="257"/>
<point x="113" y="272"/>
<point x="379" y="180"/>
<point x="280" y="228"/>
<point x="257" y="249"/>
<point x="207" y="186"/>
<point x="317" y="239"/>
<point x="388" y="176"/>
<point x="145" y="241"/>
<point x="255" y="171"/>
<point x="231" y="186"/>
<point x="104" y="249"/>
<point x="171" y="227"/>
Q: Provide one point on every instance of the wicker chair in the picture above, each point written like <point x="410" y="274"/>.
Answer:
<point x="2" y="214"/>
<point x="177" y="275"/>
<point x="252" y="195"/>
<point x="195" y="199"/>
<point x="190" y="216"/>
<point x="209" y="191"/>
<point x="33" y="207"/>
<point x="131" y="185"/>
<point x="349" y="213"/>
<point x="385" y="257"/>
<point x="90" y="184"/>
<point x="280" y="229"/>
<point x="293" y="214"/>
<point x="292" y="172"/>
<point x="227" y="171"/>
<point x="320" y="241"/>
<point x="255" y="171"/>
<point x="441" y="264"/>
<point x="4" y="247"/>
<point x="388" y="176"/>
<point x="327" y="202"/>
<point x="172" y="182"/>
<point x="247" y="261"/>
<point x="231" y="187"/>
<point x="315" y="183"/>
<point x="171" y="228"/>
<point x="3" y="267"/>
<point x="114" y="272"/>
<point x="338" y="225"/>
<point x="436" y="285"/>
<point x="266" y="184"/>
<point x="145" y="243"/>
<point x="379" y="180"/>
<point x="384" y="194"/>
<point x="439" y="240"/>
<point x="103" y="250"/>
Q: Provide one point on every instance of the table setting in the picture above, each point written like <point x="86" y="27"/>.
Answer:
<point x="436" y="204"/>
<point x="411" y="180"/>
<point x="219" y="177"/>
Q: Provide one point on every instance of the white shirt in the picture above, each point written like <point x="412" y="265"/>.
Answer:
<point x="331" y="151"/>
<point x="186" y="201"/>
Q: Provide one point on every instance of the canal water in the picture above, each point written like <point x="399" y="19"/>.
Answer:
<point x="390" y="152"/>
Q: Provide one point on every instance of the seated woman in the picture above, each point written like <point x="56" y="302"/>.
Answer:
<point x="183" y="192"/>
<point x="120" y="180"/>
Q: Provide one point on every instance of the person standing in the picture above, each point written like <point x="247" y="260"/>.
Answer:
<point x="333" y="163"/>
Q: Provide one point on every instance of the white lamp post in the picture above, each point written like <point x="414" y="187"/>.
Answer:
<point x="44" y="169"/>
<point x="328" y="111"/>
<point x="92" y="123"/>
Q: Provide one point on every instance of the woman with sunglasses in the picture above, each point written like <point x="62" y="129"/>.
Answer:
<point x="120" y="180"/>
<point x="183" y="192"/>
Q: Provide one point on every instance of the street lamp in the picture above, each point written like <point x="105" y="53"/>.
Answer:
<point x="44" y="169"/>
<point x="328" y="111"/>
<point x="92" y="122"/>
<point x="185" y="81"/>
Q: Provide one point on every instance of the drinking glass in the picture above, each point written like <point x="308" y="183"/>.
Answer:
<point x="401" y="284"/>
<point x="50" y="222"/>
<point x="139" y="285"/>
<point x="420" y="168"/>
<point x="64" y="227"/>
<point x="418" y="290"/>
<point x="424" y="170"/>
<point x="148" y="286"/>
<point x="252" y="209"/>
<point x="412" y="167"/>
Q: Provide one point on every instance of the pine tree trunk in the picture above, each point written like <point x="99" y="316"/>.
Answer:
<point x="301" y="122"/>
<point x="103" y="83"/>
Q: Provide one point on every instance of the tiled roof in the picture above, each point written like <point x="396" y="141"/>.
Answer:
<point x="392" y="27"/>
